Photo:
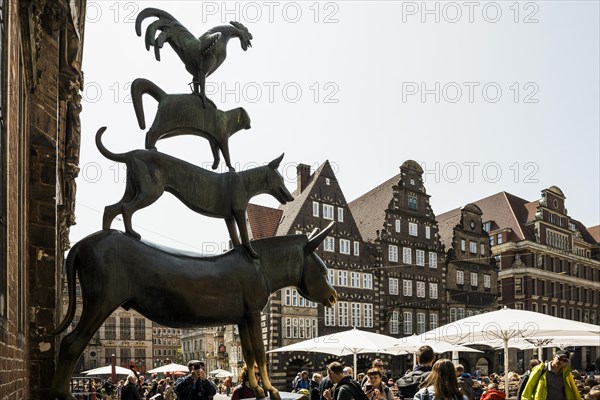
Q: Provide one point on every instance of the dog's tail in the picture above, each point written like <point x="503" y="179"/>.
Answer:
<point x="71" y="269"/>
<point x="104" y="151"/>
<point x="139" y="87"/>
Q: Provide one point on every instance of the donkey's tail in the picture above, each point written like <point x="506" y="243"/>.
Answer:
<point x="104" y="151"/>
<point x="139" y="87"/>
<point x="71" y="268"/>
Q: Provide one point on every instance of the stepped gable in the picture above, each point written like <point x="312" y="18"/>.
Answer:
<point x="263" y="220"/>
<point x="370" y="208"/>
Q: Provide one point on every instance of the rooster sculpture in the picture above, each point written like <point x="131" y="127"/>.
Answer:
<point x="201" y="56"/>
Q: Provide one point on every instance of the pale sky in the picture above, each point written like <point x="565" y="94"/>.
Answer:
<point x="486" y="96"/>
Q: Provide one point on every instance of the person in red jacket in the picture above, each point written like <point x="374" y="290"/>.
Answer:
<point x="493" y="393"/>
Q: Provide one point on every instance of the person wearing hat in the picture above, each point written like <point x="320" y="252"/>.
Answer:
<point x="552" y="380"/>
<point x="195" y="386"/>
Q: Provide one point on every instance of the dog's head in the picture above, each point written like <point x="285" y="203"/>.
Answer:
<point x="276" y="183"/>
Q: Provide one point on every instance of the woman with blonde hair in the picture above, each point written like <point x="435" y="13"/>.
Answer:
<point x="441" y="384"/>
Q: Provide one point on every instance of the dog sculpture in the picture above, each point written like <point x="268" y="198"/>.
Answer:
<point x="116" y="270"/>
<point x="151" y="173"/>
<point x="183" y="114"/>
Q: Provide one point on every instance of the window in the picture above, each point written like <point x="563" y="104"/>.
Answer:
<point x="518" y="286"/>
<point x="487" y="282"/>
<point x="394" y="323"/>
<point x="472" y="247"/>
<point x="412" y="202"/>
<point x="110" y="328"/>
<point x="408" y="329"/>
<point x="462" y="244"/>
<point x="520" y="306"/>
<point x="499" y="238"/>
<point x="460" y="277"/>
<point x="342" y="278"/>
<point x="354" y="279"/>
<point x="355" y="309"/>
<point x="407" y="255"/>
<point x="427" y="232"/>
<point x="329" y="316"/>
<point x="393" y="285"/>
<point x="367" y="281"/>
<point x="433" y="320"/>
<point x="368" y="314"/>
<point x="327" y="181"/>
<point x="433" y="290"/>
<point x="420" y="289"/>
<point x="139" y="326"/>
<point x="344" y="246"/>
<point x="420" y="323"/>
<point x="412" y="229"/>
<point x="125" y="331"/>
<point x="432" y="260"/>
<point x="340" y="214"/>
<point x="474" y="279"/>
<point x="482" y="249"/>
<point x="406" y="287"/>
<point x="356" y="248"/>
<point x="460" y="314"/>
<point x="393" y="253"/>
<point x="452" y="314"/>
<point x="331" y="276"/>
<point x="534" y="307"/>
<point x="421" y="257"/>
<point x="328" y="211"/>
<point x="315" y="209"/>
<point x="329" y="244"/>
<point x="125" y="355"/>
<point x="491" y="240"/>
<point x="343" y="313"/>
<point x="397" y="225"/>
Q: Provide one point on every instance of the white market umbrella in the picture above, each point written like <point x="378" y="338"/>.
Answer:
<point x="225" y="374"/>
<point x="350" y="342"/>
<point x="506" y="324"/>
<point x="410" y="344"/>
<point x="108" y="371"/>
<point x="172" y="367"/>
<point x="220" y="371"/>
<point x="539" y="343"/>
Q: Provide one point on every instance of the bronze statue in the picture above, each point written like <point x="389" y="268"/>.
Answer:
<point x="116" y="270"/>
<point x="151" y="173"/>
<point x="201" y="56"/>
<point x="181" y="114"/>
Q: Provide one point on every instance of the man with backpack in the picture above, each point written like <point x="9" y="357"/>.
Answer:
<point x="409" y="384"/>
<point x="345" y="387"/>
<point x="465" y="382"/>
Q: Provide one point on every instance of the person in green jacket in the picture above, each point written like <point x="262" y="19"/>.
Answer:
<point x="552" y="380"/>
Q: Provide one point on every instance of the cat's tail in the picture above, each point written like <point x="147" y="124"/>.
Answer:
<point x="104" y="151"/>
<point x="139" y="87"/>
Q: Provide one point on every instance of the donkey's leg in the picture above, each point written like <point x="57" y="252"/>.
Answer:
<point x="248" y="352"/>
<point x="240" y="218"/>
<point x="73" y="344"/>
<point x="258" y="349"/>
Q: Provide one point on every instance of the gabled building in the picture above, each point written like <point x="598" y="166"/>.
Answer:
<point x="166" y="345"/>
<point x="547" y="260"/>
<point x="288" y="317"/>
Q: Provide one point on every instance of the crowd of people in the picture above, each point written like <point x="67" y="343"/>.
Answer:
<point x="429" y="379"/>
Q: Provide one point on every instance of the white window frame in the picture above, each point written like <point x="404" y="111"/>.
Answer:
<point x="487" y="281"/>
<point x="482" y="246"/>
<point x="460" y="313"/>
<point x="472" y="247"/>
<point x="340" y="216"/>
<point x="393" y="253"/>
<point x="394" y="323"/>
<point x="367" y="281"/>
<point x="393" y="286"/>
<point x="355" y="314"/>
<point x="421" y="317"/>
<point x="463" y="245"/>
<point x="427" y="232"/>
<point x="354" y="279"/>
<point x="474" y="280"/>
<point x="344" y="246"/>
<point x="368" y="315"/>
<point x="460" y="277"/>
<point x="407" y="255"/>
<point x="452" y="314"/>
<point x="433" y="320"/>
<point x="407" y="323"/>
<point x="342" y="277"/>
<point x="433" y="290"/>
<point x="421" y="289"/>
<point x="328" y="211"/>
<point x="331" y="276"/>
<point x="356" y="248"/>
<point x="330" y="316"/>
<point x="421" y="257"/>
<point x="413" y="229"/>
<point x="397" y="225"/>
<point x="315" y="208"/>
<point x="407" y="287"/>
<point x="343" y="313"/>
<point x="432" y="259"/>
<point x="500" y="238"/>
<point x="329" y="244"/>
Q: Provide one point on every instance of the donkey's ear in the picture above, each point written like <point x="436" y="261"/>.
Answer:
<point x="315" y="240"/>
<point x="275" y="163"/>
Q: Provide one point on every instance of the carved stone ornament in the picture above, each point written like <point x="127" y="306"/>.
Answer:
<point x="518" y="263"/>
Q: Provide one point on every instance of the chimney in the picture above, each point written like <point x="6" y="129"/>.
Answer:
<point x="302" y="177"/>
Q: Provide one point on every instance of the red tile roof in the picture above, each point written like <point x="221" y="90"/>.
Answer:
<point x="594" y="232"/>
<point x="263" y="220"/>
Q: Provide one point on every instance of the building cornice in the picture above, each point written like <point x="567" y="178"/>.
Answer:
<point x="529" y="245"/>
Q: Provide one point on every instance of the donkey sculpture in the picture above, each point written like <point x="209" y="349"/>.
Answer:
<point x="183" y="291"/>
